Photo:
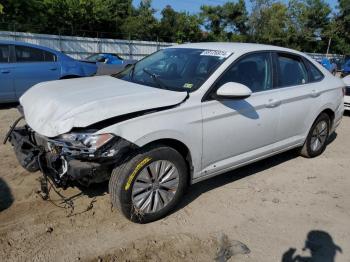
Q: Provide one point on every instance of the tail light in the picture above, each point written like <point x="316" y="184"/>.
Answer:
<point x="344" y="90"/>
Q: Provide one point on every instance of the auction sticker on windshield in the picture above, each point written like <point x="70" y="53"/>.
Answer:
<point x="218" y="53"/>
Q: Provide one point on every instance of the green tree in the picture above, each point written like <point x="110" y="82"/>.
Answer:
<point x="23" y="15"/>
<point x="85" y="17"/>
<point x="340" y="29"/>
<point x="225" y="22"/>
<point x="275" y="26"/>
<point x="303" y="24"/>
<point x="179" y="26"/>
<point x="236" y="17"/>
<point x="213" y="19"/>
<point x="317" y="15"/>
<point x="141" y="24"/>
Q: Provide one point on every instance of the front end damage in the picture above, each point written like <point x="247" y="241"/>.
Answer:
<point x="65" y="162"/>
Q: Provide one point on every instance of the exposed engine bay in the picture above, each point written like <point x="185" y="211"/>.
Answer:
<point x="67" y="162"/>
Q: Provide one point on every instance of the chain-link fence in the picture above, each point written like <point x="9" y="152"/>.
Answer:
<point x="81" y="47"/>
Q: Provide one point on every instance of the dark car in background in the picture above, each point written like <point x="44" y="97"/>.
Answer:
<point x="23" y="65"/>
<point x="109" y="63"/>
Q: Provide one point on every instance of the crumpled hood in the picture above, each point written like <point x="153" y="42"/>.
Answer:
<point x="54" y="108"/>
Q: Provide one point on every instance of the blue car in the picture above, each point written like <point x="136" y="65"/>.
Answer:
<point x="108" y="63"/>
<point x="346" y="68"/>
<point x="23" y="65"/>
<point x="330" y="66"/>
<point x="106" y="58"/>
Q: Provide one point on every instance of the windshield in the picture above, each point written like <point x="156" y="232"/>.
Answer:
<point x="177" y="69"/>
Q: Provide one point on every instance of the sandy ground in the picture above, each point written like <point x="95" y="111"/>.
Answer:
<point x="264" y="212"/>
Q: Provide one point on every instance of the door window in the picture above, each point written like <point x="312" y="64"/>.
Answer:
<point x="291" y="71"/>
<point x="253" y="70"/>
<point x="30" y="54"/>
<point x="49" y="57"/>
<point x="315" y="74"/>
<point x="4" y="54"/>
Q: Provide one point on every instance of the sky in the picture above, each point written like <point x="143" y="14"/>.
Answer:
<point x="193" y="6"/>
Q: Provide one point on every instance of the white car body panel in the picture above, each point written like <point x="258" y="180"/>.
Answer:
<point x="224" y="122"/>
<point x="220" y="136"/>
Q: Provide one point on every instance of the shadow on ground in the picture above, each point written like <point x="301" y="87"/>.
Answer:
<point x="8" y="106"/>
<point x="331" y="138"/>
<point x="319" y="244"/>
<point x="6" y="198"/>
<point x="218" y="181"/>
<point x="202" y="187"/>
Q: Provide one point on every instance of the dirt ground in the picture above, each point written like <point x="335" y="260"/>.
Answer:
<point x="284" y="208"/>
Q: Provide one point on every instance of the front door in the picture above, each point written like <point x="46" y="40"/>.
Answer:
<point x="236" y="131"/>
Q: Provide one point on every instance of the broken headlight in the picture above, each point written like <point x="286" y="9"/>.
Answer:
<point x="85" y="140"/>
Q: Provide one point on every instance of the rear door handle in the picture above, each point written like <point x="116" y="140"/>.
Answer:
<point x="53" y="68"/>
<point x="5" y="71"/>
<point x="273" y="103"/>
<point x="314" y="93"/>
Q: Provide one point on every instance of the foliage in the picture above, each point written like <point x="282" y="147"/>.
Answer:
<point x="179" y="26"/>
<point x="306" y="25"/>
<point x="222" y="22"/>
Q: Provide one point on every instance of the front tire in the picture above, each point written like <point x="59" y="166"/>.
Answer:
<point x="316" y="141"/>
<point x="150" y="184"/>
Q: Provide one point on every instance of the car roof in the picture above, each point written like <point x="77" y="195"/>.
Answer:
<point x="236" y="47"/>
<point x="7" y="42"/>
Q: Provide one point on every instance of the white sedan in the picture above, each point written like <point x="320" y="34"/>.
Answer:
<point x="177" y="117"/>
<point x="347" y="92"/>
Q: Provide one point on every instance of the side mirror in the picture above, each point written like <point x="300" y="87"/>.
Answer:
<point x="232" y="90"/>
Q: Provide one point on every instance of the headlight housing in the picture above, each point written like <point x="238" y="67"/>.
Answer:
<point x="85" y="140"/>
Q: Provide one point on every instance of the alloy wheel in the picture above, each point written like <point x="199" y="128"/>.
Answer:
<point x="155" y="186"/>
<point x="319" y="136"/>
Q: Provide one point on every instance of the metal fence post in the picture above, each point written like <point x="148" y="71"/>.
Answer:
<point x="158" y="44"/>
<point x="60" y="41"/>
<point x="130" y="48"/>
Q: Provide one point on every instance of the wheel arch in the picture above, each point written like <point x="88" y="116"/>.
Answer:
<point x="331" y="115"/>
<point x="327" y="110"/>
<point x="179" y="147"/>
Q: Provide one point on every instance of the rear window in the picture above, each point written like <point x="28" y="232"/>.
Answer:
<point x="292" y="71"/>
<point x="315" y="74"/>
<point x="4" y="54"/>
<point x="30" y="54"/>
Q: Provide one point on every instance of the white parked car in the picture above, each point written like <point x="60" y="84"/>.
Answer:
<point x="177" y="117"/>
<point x="347" y="92"/>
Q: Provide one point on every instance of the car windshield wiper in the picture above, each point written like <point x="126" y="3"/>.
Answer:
<point x="155" y="79"/>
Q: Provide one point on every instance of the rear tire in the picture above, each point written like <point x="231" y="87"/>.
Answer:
<point x="316" y="141"/>
<point x="150" y="184"/>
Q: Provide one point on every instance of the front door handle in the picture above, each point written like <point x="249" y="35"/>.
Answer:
<point x="314" y="93"/>
<point x="273" y="103"/>
<point x="5" y="71"/>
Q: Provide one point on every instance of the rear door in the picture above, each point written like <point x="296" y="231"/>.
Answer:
<point x="7" y="92"/>
<point x="33" y="66"/>
<point x="299" y="97"/>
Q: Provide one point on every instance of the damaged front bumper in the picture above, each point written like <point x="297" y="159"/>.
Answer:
<point x="66" y="166"/>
